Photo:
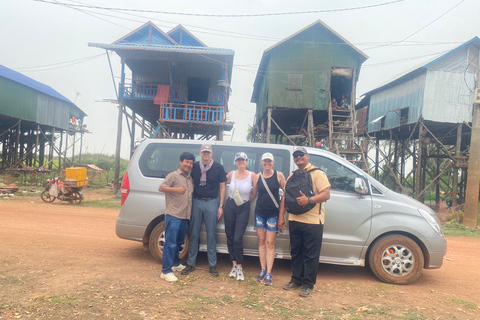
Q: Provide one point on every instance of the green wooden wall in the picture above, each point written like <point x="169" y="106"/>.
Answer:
<point x="312" y="53"/>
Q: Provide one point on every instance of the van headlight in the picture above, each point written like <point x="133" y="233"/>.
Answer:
<point x="432" y="220"/>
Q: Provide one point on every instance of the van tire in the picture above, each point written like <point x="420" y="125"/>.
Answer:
<point x="396" y="259"/>
<point x="157" y="240"/>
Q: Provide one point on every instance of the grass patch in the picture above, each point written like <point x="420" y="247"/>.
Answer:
<point x="252" y="302"/>
<point x="380" y="289"/>
<point x="206" y="299"/>
<point x="466" y="304"/>
<point x="60" y="300"/>
<point x="454" y="229"/>
<point x="199" y="303"/>
<point x="110" y="203"/>
<point x="412" y="316"/>
<point x="253" y="285"/>
<point x="10" y="280"/>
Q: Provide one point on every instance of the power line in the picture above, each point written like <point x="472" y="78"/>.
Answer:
<point x="428" y="24"/>
<point x="63" y="62"/>
<point x="244" y="35"/>
<point x="86" y="12"/>
<point x="404" y="59"/>
<point x="237" y="34"/>
<point x="69" y="63"/>
<point x="224" y="15"/>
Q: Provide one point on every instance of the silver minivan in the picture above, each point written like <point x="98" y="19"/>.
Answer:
<point x="366" y="223"/>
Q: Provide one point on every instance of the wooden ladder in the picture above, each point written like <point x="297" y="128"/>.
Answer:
<point x="341" y="130"/>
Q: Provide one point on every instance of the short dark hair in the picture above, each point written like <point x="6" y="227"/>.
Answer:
<point x="187" y="156"/>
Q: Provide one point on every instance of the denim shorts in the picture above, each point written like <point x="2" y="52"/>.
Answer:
<point x="270" y="224"/>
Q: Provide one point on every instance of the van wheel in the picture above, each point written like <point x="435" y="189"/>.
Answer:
<point x="157" y="241"/>
<point x="396" y="259"/>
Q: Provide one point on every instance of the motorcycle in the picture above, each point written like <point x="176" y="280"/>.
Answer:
<point x="56" y="189"/>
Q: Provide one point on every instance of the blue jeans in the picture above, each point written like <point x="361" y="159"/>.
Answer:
<point x="175" y="230"/>
<point x="203" y="211"/>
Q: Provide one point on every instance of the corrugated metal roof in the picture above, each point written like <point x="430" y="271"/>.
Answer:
<point x="22" y="79"/>
<point x="425" y="65"/>
<point x="164" y="48"/>
<point x="29" y="82"/>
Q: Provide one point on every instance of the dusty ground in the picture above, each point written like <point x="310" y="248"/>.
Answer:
<point x="63" y="261"/>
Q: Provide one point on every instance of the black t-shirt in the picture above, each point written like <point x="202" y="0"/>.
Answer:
<point x="265" y="206"/>
<point x="215" y="175"/>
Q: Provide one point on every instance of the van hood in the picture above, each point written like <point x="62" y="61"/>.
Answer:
<point x="414" y="203"/>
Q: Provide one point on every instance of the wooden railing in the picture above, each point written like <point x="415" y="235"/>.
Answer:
<point x="139" y="91"/>
<point x="191" y="113"/>
<point x="216" y="96"/>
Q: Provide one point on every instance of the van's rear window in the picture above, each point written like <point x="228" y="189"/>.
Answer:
<point x="159" y="159"/>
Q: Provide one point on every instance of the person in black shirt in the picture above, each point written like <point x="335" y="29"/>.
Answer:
<point x="266" y="214"/>
<point x="209" y="192"/>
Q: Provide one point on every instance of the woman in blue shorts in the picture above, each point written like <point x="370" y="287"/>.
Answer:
<point x="267" y="185"/>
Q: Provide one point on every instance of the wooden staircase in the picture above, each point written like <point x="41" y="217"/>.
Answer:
<point x="341" y="131"/>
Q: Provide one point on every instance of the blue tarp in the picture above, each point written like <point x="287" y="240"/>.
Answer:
<point x="29" y="82"/>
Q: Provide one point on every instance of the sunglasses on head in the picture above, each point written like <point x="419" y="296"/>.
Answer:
<point x="298" y="154"/>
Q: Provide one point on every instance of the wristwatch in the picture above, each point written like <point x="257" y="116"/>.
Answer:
<point x="222" y="206"/>
<point x="310" y="200"/>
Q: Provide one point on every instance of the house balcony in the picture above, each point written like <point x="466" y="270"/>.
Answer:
<point x="192" y="113"/>
<point x="216" y="96"/>
<point x="175" y="105"/>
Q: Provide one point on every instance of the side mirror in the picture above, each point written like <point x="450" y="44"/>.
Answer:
<point x="361" y="186"/>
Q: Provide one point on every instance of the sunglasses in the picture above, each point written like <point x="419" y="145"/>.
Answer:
<point x="298" y="154"/>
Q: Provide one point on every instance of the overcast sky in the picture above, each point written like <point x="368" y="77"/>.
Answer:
<point x="49" y="43"/>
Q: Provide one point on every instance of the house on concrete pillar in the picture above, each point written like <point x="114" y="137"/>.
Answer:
<point x="304" y="88"/>
<point x="179" y="87"/>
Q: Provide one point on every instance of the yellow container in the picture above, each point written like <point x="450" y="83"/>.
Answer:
<point x="76" y="174"/>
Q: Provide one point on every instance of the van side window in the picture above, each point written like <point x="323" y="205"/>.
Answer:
<point x="375" y="190"/>
<point x="226" y="156"/>
<point x="159" y="159"/>
<point x="340" y="177"/>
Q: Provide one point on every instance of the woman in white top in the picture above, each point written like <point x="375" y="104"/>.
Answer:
<point x="237" y="212"/>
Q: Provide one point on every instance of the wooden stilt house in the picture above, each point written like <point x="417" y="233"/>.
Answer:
<point x="173" y="82"/>
<point x="36" y="124"/>
<point x="305" y="91"/>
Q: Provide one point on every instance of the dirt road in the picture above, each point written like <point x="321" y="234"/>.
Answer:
<point x="62" y="261"/>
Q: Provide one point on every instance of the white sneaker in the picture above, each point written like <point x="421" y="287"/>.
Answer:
<point x="169" y="277"/>
<point x="240" y="276"/>
<point x="233" y="273"/>
<point x="180" y="267"/>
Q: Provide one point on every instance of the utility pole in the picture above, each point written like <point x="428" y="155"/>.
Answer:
<point x="473" y="181"/>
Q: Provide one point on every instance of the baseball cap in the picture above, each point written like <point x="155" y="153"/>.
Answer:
<point x="241" y="155"/>
<point x="300" y="149"/>
<point x="267" y="155"/>
<point x="206" y="147"/>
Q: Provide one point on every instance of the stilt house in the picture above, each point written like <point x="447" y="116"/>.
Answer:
<point x="304" y="90"/>
<point x="34" y="118"/>
<point x="173" y="82"/>
<point x="424" y="115"/>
